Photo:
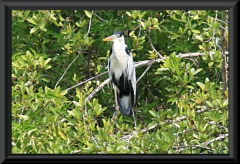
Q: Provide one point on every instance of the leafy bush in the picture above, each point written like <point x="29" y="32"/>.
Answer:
<point x="62" y="101"/>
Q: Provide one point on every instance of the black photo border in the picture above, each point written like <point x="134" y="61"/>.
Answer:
<point x="5" y="75"/>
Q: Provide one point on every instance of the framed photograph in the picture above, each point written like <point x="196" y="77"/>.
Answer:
<point x="85" y="81"/>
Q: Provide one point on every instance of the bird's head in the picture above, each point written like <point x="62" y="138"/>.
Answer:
<point x="116" y="36"/>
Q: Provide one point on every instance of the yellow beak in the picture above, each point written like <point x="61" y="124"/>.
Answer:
<point x="108" y="39"/>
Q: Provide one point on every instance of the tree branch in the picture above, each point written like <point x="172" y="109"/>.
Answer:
<point x="150" y="41"/>
<point x="80" y="83"/>
<point x="89" y="26"/>
<point x="149" y="66"/>
<point x="224" y="63"/>
<point x="66" y="70"/>
<point x="90" y="96"/>
<point x="147" y="88"/>
<point x="137" y="65"/>
<point x="98" y="16"/>
<point x="204" y="145"/>
<point x="141" y="64"/>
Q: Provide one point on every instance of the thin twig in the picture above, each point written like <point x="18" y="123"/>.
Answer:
<point x="202" y="109"/>
<point x="224" y="63"/>
<point x="66" y="70"/>
<point x="150" y="41"/>
<point x="225" y="28"/>
<point x="98" y="16"/>
<point x="204" y="145"/>
<point x="214" y="123"/>
<point x="150" y="128"/>
<point x="147" y="89"/>
<point x="195" y="54"/>
<point x="95" y="141"/>
<point x="90" y="96"/>
<point x="149" y="66"/>
<point x="80" y="83"/>
<point x="216" y="139"/>
<point x="194" y="61"/>
<point x="89" y="26"/>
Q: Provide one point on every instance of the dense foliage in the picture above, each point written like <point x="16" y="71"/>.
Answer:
<point x="182" y="93"/>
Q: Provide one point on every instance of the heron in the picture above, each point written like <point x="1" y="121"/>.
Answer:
<point x="122" y="74"/>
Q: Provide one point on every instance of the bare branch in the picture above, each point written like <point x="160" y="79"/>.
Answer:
<point x="137" y="64"/>
<point x="204" y="145"/>
<point x="128" y="136"/>
<point x="147" y="89"/>
<point x="150" y="41"/>
<point x="80" y="83"/>
<point x="202" y="109"/>
<point x="214" y="123"/>
<point x="150" y="128"/>
<point x="95" y="141"/>
<point x="224" y="62"/>
<point x="90" y="96"/>
<point x="195" y="54"/>
<point x="149" y="66"/>
<point x="221" y="136"/>
<point x="66" y="70"/>
<point x="141" y="64"/>
<point x="98" y="16"/>
<point x="89" y="26"/>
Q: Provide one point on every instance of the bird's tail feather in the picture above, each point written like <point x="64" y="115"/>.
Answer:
<point x="124" y="104"/>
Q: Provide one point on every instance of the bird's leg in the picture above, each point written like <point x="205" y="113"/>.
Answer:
<point x="116" y="102"/>
<point x="135" y="123"/>
<point x="115" y="118"/>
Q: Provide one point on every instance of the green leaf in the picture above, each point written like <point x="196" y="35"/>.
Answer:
<point x="209" y="104"/>
<point x="225" y="103"/>
<point x="141" y="15"/>
<point x="34" y="29"/>
<point x="128" y="13"/>
<point x="89" y="14"/>
<point x="32" y="142"/>
<point x="201" y="85"/>
<point x="197" y="71"/>
<point x="185" y="77"/>
<point x="63" y="92"/>
<point x="176" y="125"/>
<point x="76" y="103"/>
<point x="199" y="37"/>
<point x="173" y="99"/>
<point x="195" y="17"/>
<point x="143" y="25"/>
<point x="33" y="130"/>
<point x="210" y="64"/>
<point x="195" y="31"/>
<point x="195" y="135"/>
<point x="42" y="26"/>
<point x="60" y="132"/>
<point x="190" y="87"/>
<point x="163" y="69"/>
<point x="47" y="61"/>
<point x="153" y="113"/>
<point x="24" y="117"/>
<point x="174" y="36"/>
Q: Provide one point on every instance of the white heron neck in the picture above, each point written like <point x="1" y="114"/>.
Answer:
<point x="119" y="43"/>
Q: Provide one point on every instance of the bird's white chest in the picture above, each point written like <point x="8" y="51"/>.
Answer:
<point x="118" y="63"/>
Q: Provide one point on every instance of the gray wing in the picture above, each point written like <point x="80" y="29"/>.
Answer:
<point x="109" y="62"/>
<point x="131" y="72"/>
